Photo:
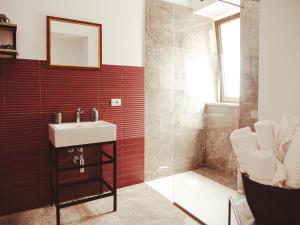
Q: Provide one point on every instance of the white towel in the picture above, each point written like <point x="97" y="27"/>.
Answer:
<point x="242" y="146"/>
<point x="280" y="175"/>
<point x="289" y="125"/>
<point x="242" y="131"/>
<point x="265" y="134"/>
<point x="276" y="127"/>
<point x="262" y="166"/>
<point x="244" y="142"/>
<point x="292" y="162"/>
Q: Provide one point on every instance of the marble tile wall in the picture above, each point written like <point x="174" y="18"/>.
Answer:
<point x="249" y="67"/>
<point x="220" y="120"/>
<point x="180" y="78"/>
<point x="174" y="134"/>
<point x="249" y="62"/>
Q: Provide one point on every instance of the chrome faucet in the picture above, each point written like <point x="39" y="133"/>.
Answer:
<point x="78" y="112"/>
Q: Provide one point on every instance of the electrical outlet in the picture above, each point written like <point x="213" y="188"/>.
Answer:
<point x="116" y="102"/>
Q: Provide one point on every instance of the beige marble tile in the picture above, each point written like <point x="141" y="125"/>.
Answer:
<point x="199" y="38"/>
<point x="158" y="37"/>
<point x="185" y="18"/>
<point x="188" y="148"/>
<point x="158" y="64"/>
<point x="178" y="54"/>
<point x="192" y="31"/>
<point x="249" y="61"/>
<point x="158" y="24"/>
<point x="249" y="65"/>
<point x="220" y="121"/>
<point x="219" y="176"/>
<point x="159" y="14"/>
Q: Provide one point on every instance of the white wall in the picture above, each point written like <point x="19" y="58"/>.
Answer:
<point x="279" y="77"/>
<point x="123" y="26"/>
<point x="88" y="48"/>
<point x="69" y="50"/>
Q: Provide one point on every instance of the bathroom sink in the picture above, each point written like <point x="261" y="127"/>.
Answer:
<point x="72" y="134"/>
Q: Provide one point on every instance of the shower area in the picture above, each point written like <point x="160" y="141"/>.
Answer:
<point x="188" y="156"/>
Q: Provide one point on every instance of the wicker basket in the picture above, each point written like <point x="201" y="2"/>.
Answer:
<point x="272" y="205"/>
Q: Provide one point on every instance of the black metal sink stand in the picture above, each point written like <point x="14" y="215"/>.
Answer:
<point x="56" y="186"/>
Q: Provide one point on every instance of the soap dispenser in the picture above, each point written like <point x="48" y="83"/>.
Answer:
<point x="94" y="115"/>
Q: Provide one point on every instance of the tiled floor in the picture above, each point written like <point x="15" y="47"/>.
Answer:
<point x="204" y="198"/>
<point x="137" y="205"/>
<point x="207" y="199"/>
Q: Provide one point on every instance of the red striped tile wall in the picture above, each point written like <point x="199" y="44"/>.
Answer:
<point x="29" y="94"/>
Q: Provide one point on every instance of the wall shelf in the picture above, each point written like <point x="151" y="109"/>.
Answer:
<point x="9" y="26"/>
<point x="7" y="39"/>
<point x="11" y="52"/>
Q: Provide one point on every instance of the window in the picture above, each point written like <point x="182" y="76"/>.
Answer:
<point x="228" y="42"/>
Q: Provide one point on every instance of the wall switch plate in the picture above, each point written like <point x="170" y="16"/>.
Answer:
<point x="116" y="102"/>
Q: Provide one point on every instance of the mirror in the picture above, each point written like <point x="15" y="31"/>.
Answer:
<point x="73" y="43"/>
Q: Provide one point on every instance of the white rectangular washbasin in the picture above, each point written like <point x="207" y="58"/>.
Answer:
<point x="72" y="134"/>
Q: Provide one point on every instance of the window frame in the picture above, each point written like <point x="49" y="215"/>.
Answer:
<point x="218" y="24"/>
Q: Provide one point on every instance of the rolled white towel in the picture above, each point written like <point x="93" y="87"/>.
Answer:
<point x="262" y="166"/>
<point x="280" y="175"/>
<point x="265" y="134"/>
<point x="292" y="162"/>
<point x="242" y="146"/>
<point x="244" y="142"/>
<point x="241" y="131"/>
<point x="276" y="127"/>
<point x="289" y="125"/>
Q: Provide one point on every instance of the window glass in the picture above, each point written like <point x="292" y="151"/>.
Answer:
<point x="230" y="58"/>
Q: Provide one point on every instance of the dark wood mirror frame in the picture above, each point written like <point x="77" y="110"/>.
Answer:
<point x="99" y="26"/>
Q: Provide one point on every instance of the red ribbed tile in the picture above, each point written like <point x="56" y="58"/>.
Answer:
<point x="22" y="132"/>
<point x="2" y="193"/>
<point x="2" y="89"/>
<point x="133" y="160"/>
<point x="22" y="196"/>
<point x="56" y="89"/>
<point x="30" y="93"/>
<point x="133" y="126"/>
<point x="22" y="91"/>
<point x="133" y="130"/>
<point x="2" y="172"/>
<point x="23" y="189"/>
<point x="111" y="86"/>
<point x="133" y="102"/>
<point x="85" y="91"/>
<point x="134" y="178"/>
<point x="20" y="166"/>
<point x="2" y="119"/>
